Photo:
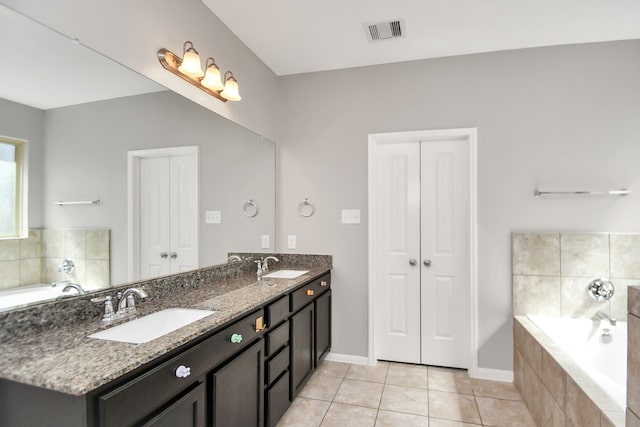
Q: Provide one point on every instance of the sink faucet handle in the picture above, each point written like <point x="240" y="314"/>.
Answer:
<point x="260" y="267"/>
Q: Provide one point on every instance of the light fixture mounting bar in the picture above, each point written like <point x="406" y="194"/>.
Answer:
<point x="170" y="62"/>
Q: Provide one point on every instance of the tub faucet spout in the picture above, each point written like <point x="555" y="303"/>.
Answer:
<point x="602" y="315"/>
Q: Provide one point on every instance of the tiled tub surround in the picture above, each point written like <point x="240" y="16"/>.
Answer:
<point x="551" y="272"/>
<point x="554" y="388"/>
<point x="47" y="345"/>
<point x="633" y="359"/>
<point x="36" y="258"/>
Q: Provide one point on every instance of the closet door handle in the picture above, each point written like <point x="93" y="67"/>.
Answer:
<point x="413" y="262"/>
<point x="173" y="255"/>
<point x="163" y="254"/>
<point x="427" y="263"/>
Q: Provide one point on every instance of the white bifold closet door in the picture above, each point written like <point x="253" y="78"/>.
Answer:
<point x="422" y="252"/>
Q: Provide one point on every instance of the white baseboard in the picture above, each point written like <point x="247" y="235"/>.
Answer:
<point x="494" y="374"/>
<point x="347" y="358"/>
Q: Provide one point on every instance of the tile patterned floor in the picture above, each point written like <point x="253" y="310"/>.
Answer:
<point x="401" y="395"/>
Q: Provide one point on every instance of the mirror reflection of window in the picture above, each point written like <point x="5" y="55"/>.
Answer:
<point x="11" y="194"/>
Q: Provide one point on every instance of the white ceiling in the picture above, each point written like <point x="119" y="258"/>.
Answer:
<point x="298" y="36"/>
<point x="44" y="69"/>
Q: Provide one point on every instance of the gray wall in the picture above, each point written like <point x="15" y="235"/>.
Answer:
<point x="26" y="123"/>
<point x="558" y="118"/>
<point x="86" y="158"/>
<point x="131" y="32"/>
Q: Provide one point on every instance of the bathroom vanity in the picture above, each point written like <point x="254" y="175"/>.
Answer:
<point x="241" y="366"/>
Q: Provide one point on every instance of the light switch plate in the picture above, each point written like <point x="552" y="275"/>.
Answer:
<point x="291" y="241"/>
<point x="266" y="241"/>
<point x="213" y="217"/>
<point x="351" y="216"/>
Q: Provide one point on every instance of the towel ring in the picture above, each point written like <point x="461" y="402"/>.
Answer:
<point x="306" y="208"/>
<point x="250" y="208"/>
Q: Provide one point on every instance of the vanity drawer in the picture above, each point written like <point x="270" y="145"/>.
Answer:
<point x="277" y="365"/>
<point x="138" y="398"/>
<point x="309" y="292"/>
<point x="277" y="400"/>
<point x="277" y="338"/>
<point x="278" y="311"/>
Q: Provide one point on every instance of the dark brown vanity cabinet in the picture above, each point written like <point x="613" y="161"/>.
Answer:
<point x="310" y="330"/>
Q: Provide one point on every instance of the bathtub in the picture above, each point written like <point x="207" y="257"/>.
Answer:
<point x="601" y="354"/>
<point x="23" y="295"/>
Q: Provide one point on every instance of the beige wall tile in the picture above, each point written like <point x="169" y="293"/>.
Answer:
<point x="30" y="271"/>
<point x="554" y="379"/>
<point x="532" y="352"/>
<point x="495" y="389"/>
<point x="625" y="253"/>
<point x="50" y="270"/>
<point x="620" y="296"/>
<point x="576" y="301"/>
<point x="580" y="410"/>
<point x="612" y="419"/>
<point x="53" y="243"/>
<point x="97" y="274"/>
<point x="76" y="244"/>
<point x="632" y="419"/>
<point x="9" y="249"/>
<point x="584" y="254"/>
<point x="536" y="253"/>
<point x="31" y="247"/>
<point x="9" y="274"/>
<point x="519" y="373"/>
<point x="633" y="300"/>
<point x="633" y="364"/>
<point x="98" y="244"/>
<point x="536" y="295"/>
<point x="532" y="395"/>
<point x="552" y="414"/>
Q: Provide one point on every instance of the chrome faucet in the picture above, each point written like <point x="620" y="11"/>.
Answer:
<point x="265" y="265"/>
<point x="75" y="286"/>
<point x="127" y="302"/>
<point x="602" y="315"/>
<point x="61" y="282"/>
<point x="233" y="258"/>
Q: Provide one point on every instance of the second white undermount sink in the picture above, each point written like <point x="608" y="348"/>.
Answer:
<point x="285" y="274"/>
<point x="152" y="326"/>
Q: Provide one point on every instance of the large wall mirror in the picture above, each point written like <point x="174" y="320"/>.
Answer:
<point x="81" y="114"/>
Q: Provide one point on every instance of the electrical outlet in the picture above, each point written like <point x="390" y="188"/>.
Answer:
<point x="213" y="217"/>
<point x="351" y="216"/>
<point x="266" y="241"/>
<point x="291" y="241"/>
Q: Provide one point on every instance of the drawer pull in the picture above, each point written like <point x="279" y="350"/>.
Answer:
<point x="310" y="292"/>
<point x="236" y="338"/>
<point x="183" y="371"/>
<point x="323" y="283"/>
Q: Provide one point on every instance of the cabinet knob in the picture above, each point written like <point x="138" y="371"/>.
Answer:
<point x="163" y="254"/>
<point x="183" y="371"/>
<point x="236" y="338"/>
<point x="427" y="263"/>
<point x="323" y="283"/>
<point x="309" y="292"/>
<point x="173" y="255"/>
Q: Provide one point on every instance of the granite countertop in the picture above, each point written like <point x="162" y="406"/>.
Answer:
<point x="66" y="360"/>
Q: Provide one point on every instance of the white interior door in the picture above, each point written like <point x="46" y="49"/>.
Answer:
<point x="445" y="246"/>
<point x="398" y="281"/>
<point x="422" y="260"/>
<point x="155" y="220"/>
<point x="163" y="211"/>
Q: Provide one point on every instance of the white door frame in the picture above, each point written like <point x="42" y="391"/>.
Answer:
<point x="470" y="134"/>
<point x="133" y="197"/>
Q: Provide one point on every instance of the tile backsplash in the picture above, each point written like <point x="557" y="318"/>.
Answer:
<point x="36" y="259"/>
<point x="551" y="272"/>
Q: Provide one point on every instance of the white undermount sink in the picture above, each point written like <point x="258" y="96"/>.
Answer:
<point x="285" y="274"/>
<point x="152" y="326"/>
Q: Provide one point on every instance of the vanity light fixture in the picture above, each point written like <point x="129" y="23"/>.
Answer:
<point x="188" y="68"/>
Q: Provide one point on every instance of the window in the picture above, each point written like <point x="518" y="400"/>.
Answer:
<point x="12" y="197"/>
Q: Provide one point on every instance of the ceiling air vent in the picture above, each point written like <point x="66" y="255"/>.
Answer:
<point x="384" y="30"/>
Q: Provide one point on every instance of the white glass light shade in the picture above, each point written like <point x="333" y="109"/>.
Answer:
<point x="212" y="80"/>
<point x="231" y="91"/>
<point x="191" y="64"/>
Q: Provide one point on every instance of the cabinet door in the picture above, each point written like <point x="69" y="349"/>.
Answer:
<point x="302" y="354"/>
<point x="323" y="326"/>
<point x="238" y="390"/>
<point x="186" y="411"/>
